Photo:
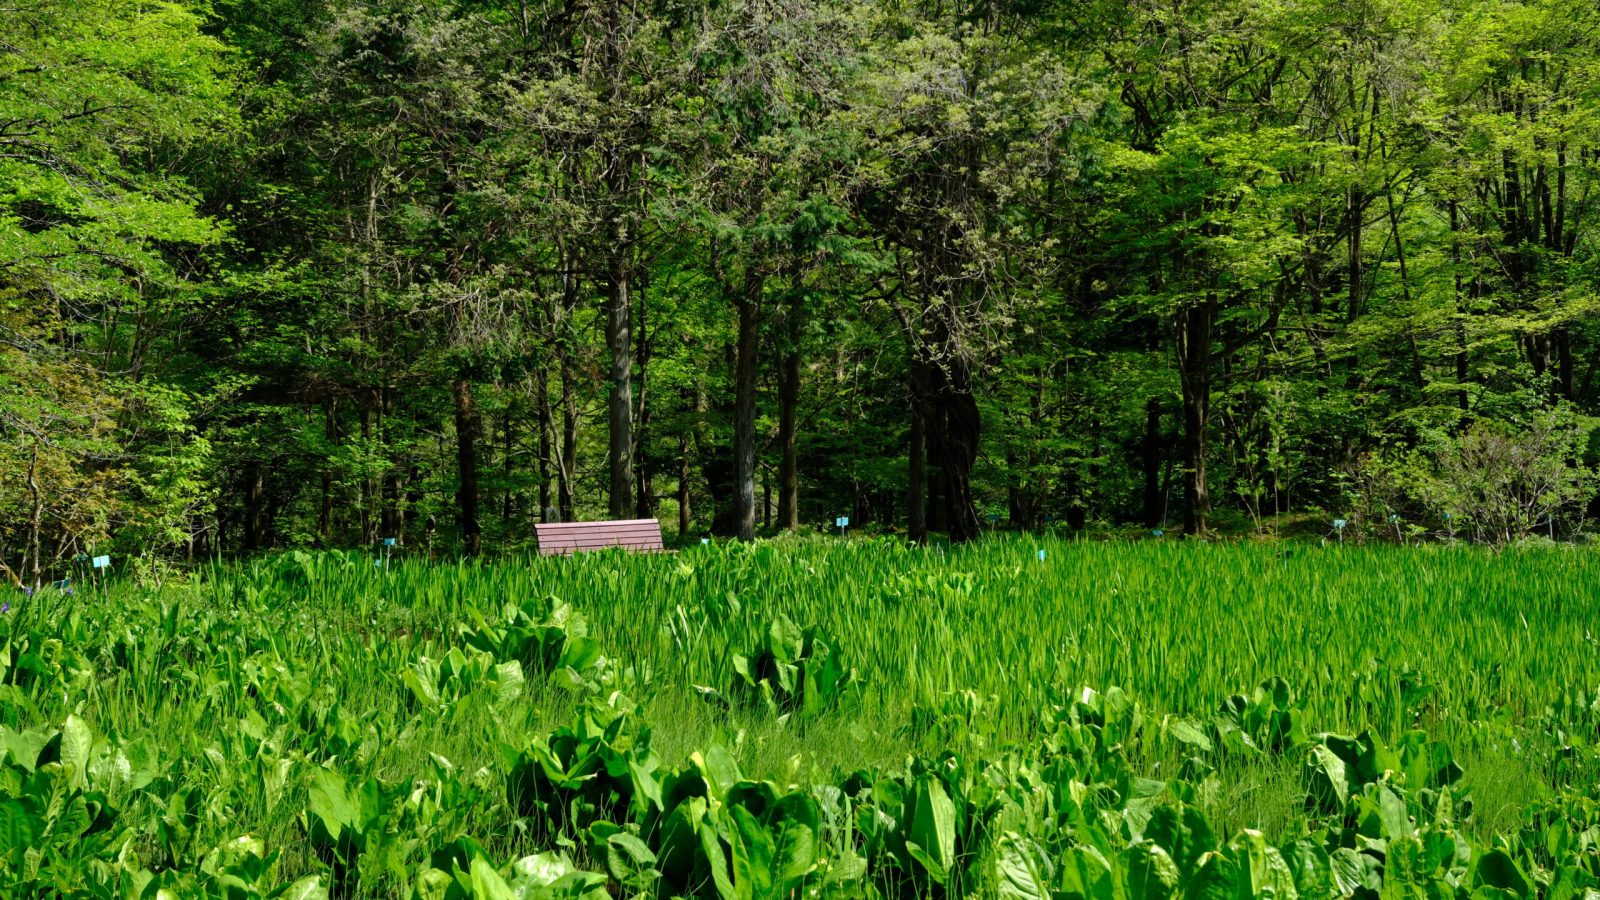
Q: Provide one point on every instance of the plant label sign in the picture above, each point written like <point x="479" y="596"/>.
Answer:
<point x="102" y="562"/>
<point x="388" y="542"/>
<point x="842" y="521"/>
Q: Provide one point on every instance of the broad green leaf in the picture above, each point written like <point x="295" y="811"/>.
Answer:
<point x="18" y="826"/>
<point x="76" y="743"/>
<point x="752" y="856"/>
<point x="487" y="883"/>
<point x="1024" y="869"/>
<point x="1310" y="867"/>
<point x="1085" y="873"/>
<point x="933" y="824"/>
<point x="330" y="802"/>
<point x="1149" y="872"/>
<point x="1496" y="869"/>
<point x="796" y="819"/>
<point x="1328" y="780"/>
<point x="307" y="888"/>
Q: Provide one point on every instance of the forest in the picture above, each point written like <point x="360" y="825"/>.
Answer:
<point x="318" y="273"/>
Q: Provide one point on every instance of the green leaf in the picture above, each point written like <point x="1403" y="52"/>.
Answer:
<point x="1150" y="872"/>
<point x="1309" y="866"/>
<point x="77" y="740"/>
<point x="933" y="825"/>
<point x="752" y="856"/>
<point x="331" y="803"/>
<point x="18" y="826"/>
<point x="1497" y="869"/>
<point x="630" y="861"/>
<point x="307" y="888"/>
<point x="1024" y="869"/>
<point x="1190" y="733"/>
<point x="1087" y="874"/>
<point x="717" y="859"/>
<point x="1327" y="778"/>
<point x="1352" y="870"/>
<point x="795" y="854"/>
<point x="508" y="681"/>
<point x="721" y="770"/>
<point x="487" y="883"/>
<point x="1261" y="867"/>
<point x="1216" y="879"/>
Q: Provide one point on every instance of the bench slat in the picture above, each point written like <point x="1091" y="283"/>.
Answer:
<point x="580" y="532"/>
<point x="586" y="535"/>
<point x="565" y="538"/>
<point x="602" y="542"/>
<point x="587" y="526"/>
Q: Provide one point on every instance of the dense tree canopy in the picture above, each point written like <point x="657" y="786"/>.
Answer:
<point x="323" y="272"/>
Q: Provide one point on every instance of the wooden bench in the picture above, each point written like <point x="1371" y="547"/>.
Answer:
<point x="567" y="538"/>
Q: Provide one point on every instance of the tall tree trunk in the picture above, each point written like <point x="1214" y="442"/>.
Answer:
<point x="330" y="429"/>
<point x="32" y="566"/>
<point x="619" y="397"/>
<point x="568" y="463"/>
<point x="717" y="465"/>
<point x="1153" y="451"/>
<point x="788" y="425"/>
<point x="467" y="427"/>
<point x="1463" y="399"/>
<point x="1016" y="503"/>
<point x="938" y="513"/>
<point x="1566" y="379"/>
<point x="748" y="305"/>
<point x="390" y="498"/>
<point x="645" y="499"/>
<point x="766" y="497"/>
<point x="508" y="438"/>
<point x="566" y="447"/>
<point x="325" y="511"/>
<point x="1194" y="369"/>
<point x="369" y="485"/>
<point x="962" y="430"/>
<point x="1356" y="216"/>
<point x="685" y="480"/>
<point x="952" y="429"/>
<point x="546" y="446"/>
<point x="1418" y="373"/>
<point x="254" y="501"/>
<point x="917" y="487"/>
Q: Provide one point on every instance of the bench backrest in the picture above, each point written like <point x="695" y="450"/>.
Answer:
<point x="564" y="538"/>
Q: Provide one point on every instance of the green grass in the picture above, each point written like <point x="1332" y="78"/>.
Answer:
<point x="246" y="678"/>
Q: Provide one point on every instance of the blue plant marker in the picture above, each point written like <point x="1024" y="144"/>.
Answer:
<point x="388" y="542"/>
<point x="1041" y="556"/>
<point x="1338" y="525"/>
<point x="1156" y="532"/>
<point x="704" y="541"/>
<point x="842" y="521"/>
<point x="377" y="564"/>
<point x="102" y="562"/>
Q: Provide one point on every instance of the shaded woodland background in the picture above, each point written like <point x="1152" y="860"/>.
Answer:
<point x="320" y="272"/>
